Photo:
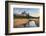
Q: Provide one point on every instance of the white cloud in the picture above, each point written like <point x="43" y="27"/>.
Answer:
<point x="34" y="14"/>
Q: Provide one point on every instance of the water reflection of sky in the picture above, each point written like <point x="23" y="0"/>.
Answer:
<point x="31" y="24"/>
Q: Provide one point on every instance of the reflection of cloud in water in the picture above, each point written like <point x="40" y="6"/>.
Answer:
<point x="31" y="24"/>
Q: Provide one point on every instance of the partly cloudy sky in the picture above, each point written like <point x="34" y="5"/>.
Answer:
<point x="32" y="11"/>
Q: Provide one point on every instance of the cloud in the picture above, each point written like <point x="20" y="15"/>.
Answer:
<point x="34" y="14"/>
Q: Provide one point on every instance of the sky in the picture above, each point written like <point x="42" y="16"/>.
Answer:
<point x="31" y="11"/>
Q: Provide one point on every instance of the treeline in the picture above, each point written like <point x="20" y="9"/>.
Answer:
<point x="24" y="17"/>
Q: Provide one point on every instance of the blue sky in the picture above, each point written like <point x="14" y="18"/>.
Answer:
<point x="28" y="10"/>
